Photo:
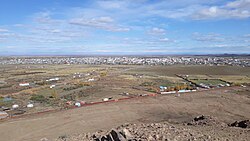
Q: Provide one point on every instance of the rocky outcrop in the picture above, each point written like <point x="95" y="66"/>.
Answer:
<point x="143" y="132"/>
<point x="203" y="120"/>
<point x="241" y="124"/>
<point x="113" y="135"/>
<point x="200" y="128"/>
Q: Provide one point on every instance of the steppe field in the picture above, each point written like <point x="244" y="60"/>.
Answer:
<point x="113" y="95"/>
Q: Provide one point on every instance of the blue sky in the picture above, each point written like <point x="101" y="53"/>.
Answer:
<point x="128" y="27"/>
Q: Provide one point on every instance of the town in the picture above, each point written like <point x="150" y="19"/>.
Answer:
<point x="243" y="61"/>
<point x="125" y="70"/>
<point x="35" y="90"/>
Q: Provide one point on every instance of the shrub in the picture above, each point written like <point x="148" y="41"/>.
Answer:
<point x="38" y="98"/>
<point x="147" y="84"/>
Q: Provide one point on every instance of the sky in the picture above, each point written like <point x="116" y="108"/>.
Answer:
<point x="124" y="27"/>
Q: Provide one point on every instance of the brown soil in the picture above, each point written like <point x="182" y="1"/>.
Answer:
<point x="226" y="104"/>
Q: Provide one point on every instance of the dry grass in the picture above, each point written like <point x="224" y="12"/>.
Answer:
<point x="191" y="70"/>
<point x="234" y="78"/>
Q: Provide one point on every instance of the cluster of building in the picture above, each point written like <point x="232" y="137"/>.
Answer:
<point x="14" y="109"/>
<point x="169" y="60"/>
<point x="208" y="86"/>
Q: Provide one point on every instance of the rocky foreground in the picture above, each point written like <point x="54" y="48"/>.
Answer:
<point x="201" y="128"/>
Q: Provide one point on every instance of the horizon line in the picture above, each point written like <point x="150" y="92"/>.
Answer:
<point x="82" y="55"/>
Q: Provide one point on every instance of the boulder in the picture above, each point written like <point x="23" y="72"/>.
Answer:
<point x="241" y="124"/>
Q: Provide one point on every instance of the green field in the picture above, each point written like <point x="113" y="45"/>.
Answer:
<point x="210" y="82"/>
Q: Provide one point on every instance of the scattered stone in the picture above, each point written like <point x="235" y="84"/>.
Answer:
<point x="165" y="131"/>
<point x="63" y="137"/>
<point x="127" y="134"/>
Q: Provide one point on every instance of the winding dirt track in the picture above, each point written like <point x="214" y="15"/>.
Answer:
<point x="221" y="103"/>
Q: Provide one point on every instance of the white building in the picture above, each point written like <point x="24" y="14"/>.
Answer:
<point x="30" y="105"/>
<point x="53" y="79"/>
<point x="91" y="79"/>
<point x="15" y="106"/>
<point x="3" y="114"/>
<point x="24" y="84"/>
<point x="52" y="86"/>
<point x="105" y="99"/>
<point x="184" y="91"/>
<point x="170" y="92"/>
<point x="78" y="104"/>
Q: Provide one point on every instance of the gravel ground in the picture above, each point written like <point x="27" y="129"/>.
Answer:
<point x="201" y="128"/>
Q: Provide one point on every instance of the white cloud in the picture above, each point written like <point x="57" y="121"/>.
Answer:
<point x="55" y="31"/>
<point x="221" y="45"/>
<point x="238" y="9"/>
<point x="4" y="30"/>
<point x="164" y="39"/>
<point x="111" y="4"/>
<point x="157" y="31"/>
<point x="44" y="29"/>
<point x="167" y="40"/>
<point x="106" y="23"/>
<point x="246" y="38"/>
<point x="242" y="4"/>
<point x="104" y="19"/>
<point x="247" y="35"/>
<point x="211" y="37"/>
<point x="81" y="25"/>
<point x="45" y="18"/>
<point x="193" y="9"/>
<point x="220" y="13"/>
<point x="6" y="35"/>
<point x="19" y="25"/>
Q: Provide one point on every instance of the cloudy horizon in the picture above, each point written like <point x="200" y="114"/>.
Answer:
<point x="92" y="27"/>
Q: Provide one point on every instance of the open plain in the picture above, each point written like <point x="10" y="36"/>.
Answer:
<point x="133" y="97"/>
<point x="124" y="70"/>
